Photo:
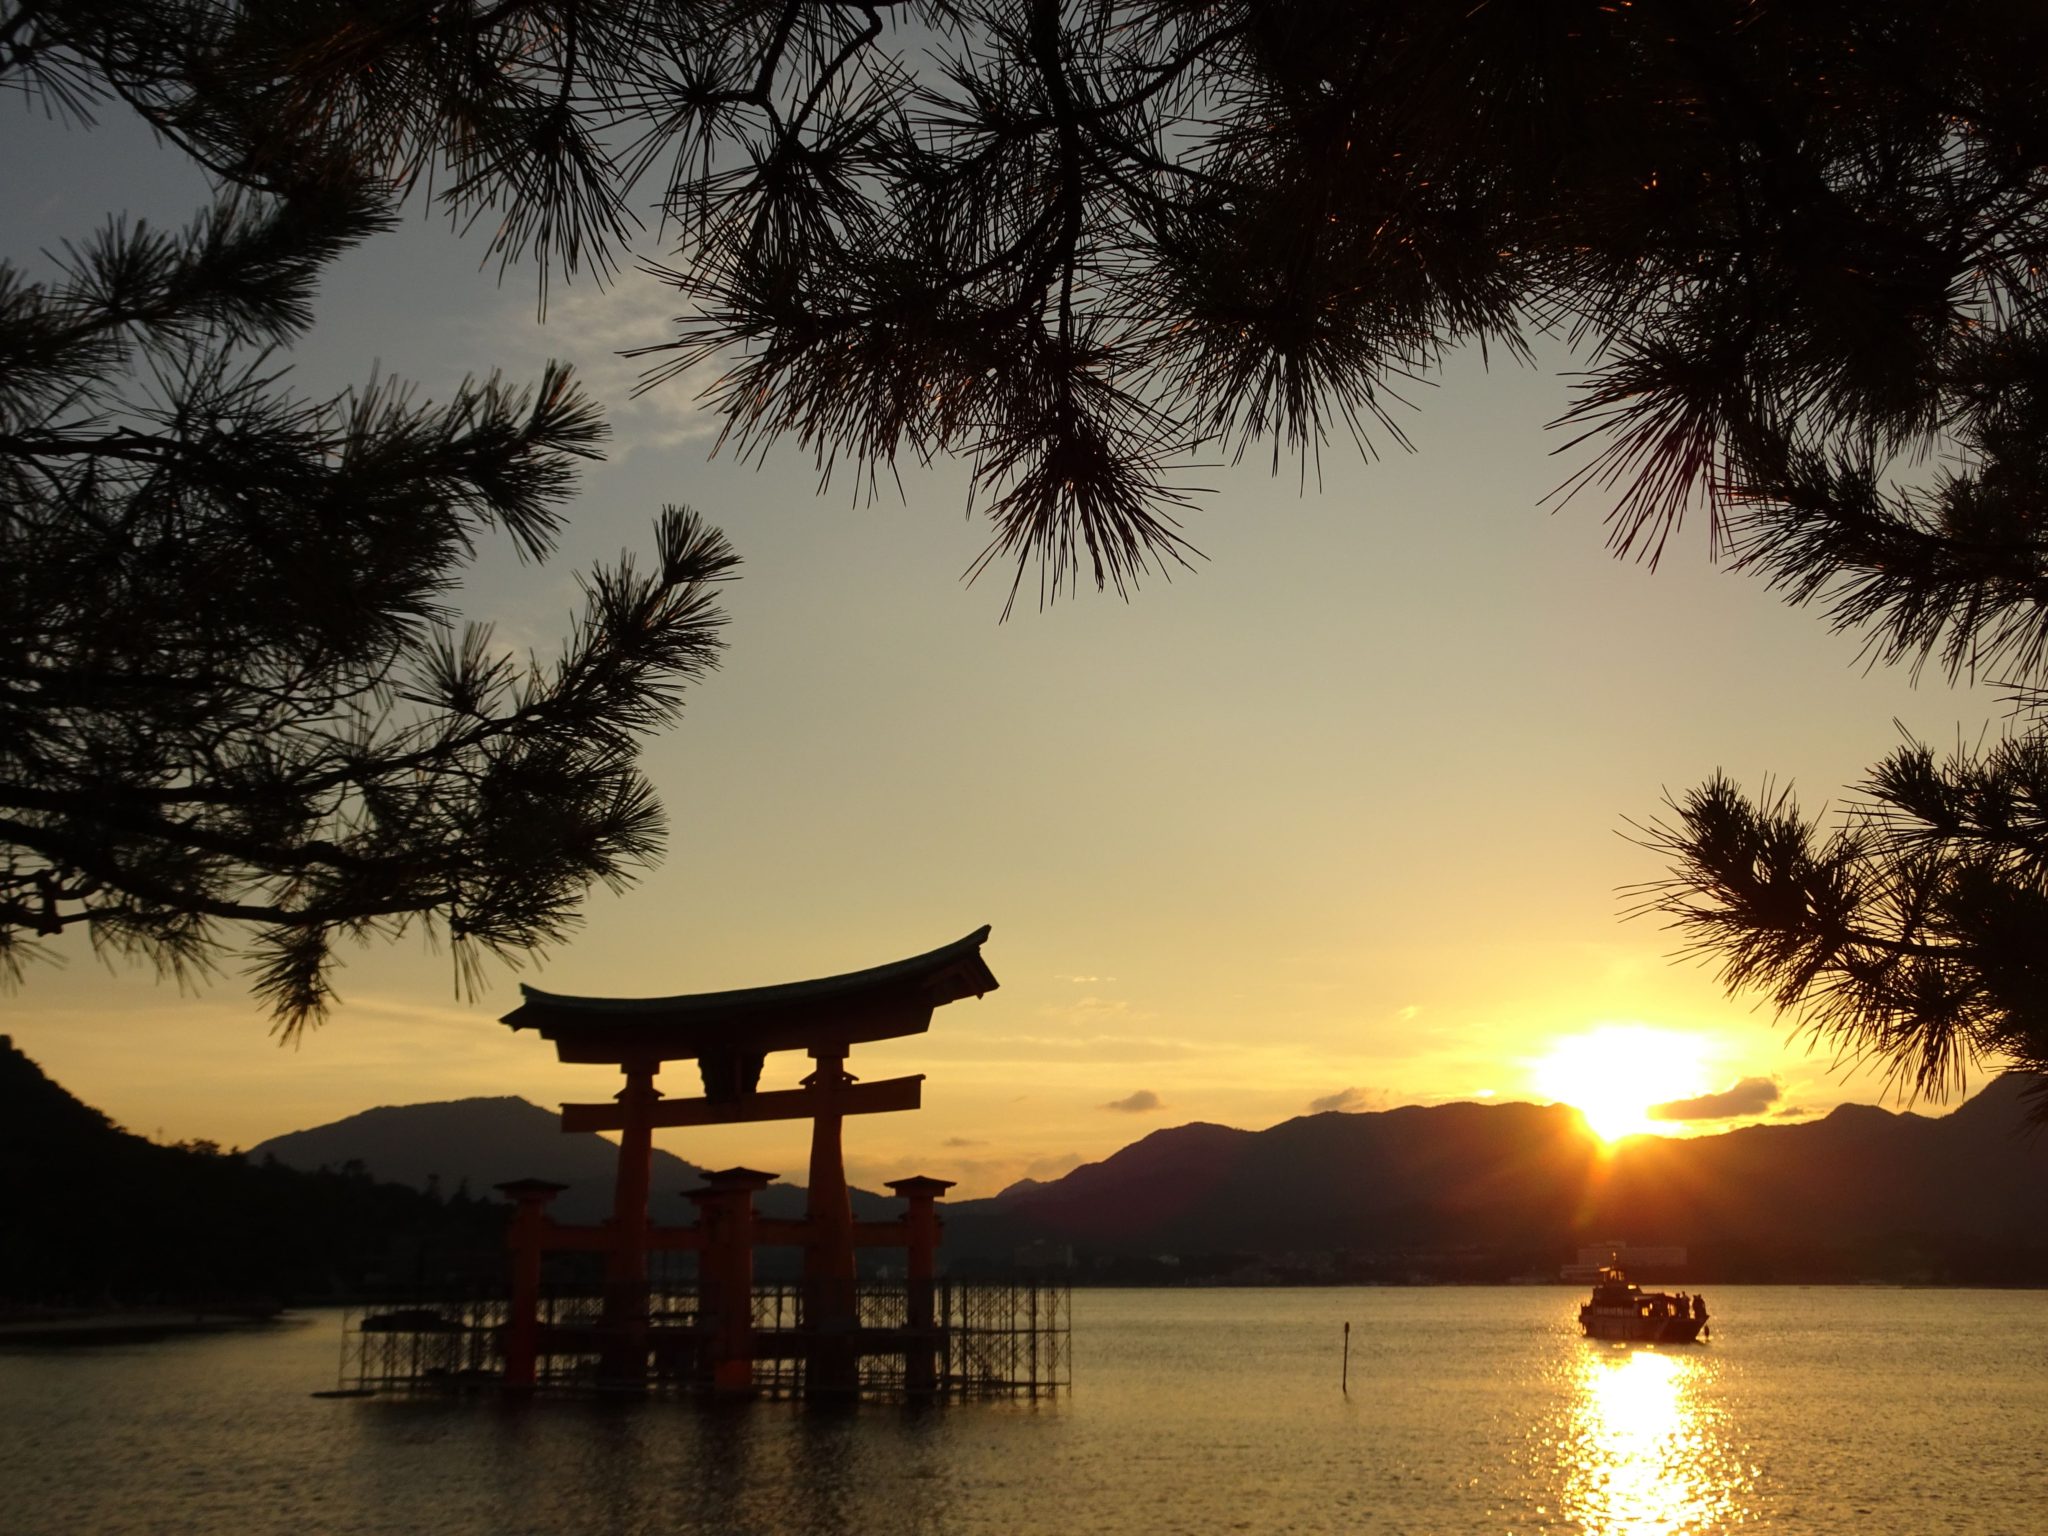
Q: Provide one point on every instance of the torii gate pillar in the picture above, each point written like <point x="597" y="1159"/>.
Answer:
<point x="624" y="1362"/>
<point x="725" y="1208"/>
<point x="831" y="1279"/>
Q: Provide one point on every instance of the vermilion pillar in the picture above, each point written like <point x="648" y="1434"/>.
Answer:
<point x="625" y="1305"/>
<point x="527" y="1239"/>
<point x="830" y="1302"/>
<point x="725" y="1274"/>
<point x="921" y="1248"/>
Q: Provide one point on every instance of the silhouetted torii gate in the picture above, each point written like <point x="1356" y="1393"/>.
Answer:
<point x="729" y="1034"/>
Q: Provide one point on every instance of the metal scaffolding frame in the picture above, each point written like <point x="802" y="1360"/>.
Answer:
<point x="989" y="1339"/>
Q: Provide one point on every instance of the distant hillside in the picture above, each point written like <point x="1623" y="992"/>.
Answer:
<point x="1453" y="1191"/>
<point x="1970" y="1183"/>
<point x="95" y="1215"/>
<point x="1488" y="1191"/>
<point x="488" y="1141"/>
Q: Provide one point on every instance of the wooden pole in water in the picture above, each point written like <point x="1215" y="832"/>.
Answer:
<point x="1347" y="1359"/>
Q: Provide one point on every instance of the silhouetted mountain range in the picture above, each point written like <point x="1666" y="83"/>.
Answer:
<point x="98" y="1217"/>
<point x="479" y="1143"/>
<point x="1453" y="1191"/>
<point x="1490" y="1191"/>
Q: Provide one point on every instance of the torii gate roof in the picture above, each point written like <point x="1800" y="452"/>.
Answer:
<point x="880" y="1003"/>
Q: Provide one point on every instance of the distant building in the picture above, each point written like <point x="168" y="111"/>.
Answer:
<point x="1040" y="1254"/>
<point x="1646" y="1260"/>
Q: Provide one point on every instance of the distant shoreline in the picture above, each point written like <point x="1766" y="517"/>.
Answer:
<point x="130" y="1325"/>
<point x="1574" y="1286"/>
<point x="147" y="1325"/>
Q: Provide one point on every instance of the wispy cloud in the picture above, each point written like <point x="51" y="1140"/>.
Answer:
<point x="589" y="327"/>
<point x="963" y="1141"/>
<point x="1144" y="1101"/>
<point x="1093" y="1009"/>
<point x="985" y="1176"/>
<point x="1054" y="1166"/>
<point x="1348" y="1101"/>
<point x="1751" y="1096"/>
<point x="1040" y="1049"/>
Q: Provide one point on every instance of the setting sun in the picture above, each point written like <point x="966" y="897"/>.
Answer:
<point x="1613" y="1074"/>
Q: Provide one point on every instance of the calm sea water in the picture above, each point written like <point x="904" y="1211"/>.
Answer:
<point x="1812" y="1411"/>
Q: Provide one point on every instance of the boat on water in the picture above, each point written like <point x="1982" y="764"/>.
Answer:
<point x="1619" y="1310"/>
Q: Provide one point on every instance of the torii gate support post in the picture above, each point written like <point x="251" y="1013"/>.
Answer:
<point x="527" y="1239"/>
<point x="921" y="1247"/>
<point x="725" y="1274"/>
<point x="624" y="1362"/>
<point x="831" y="1305"/>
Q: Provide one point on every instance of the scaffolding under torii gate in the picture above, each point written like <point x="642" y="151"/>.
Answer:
<point x="719" y="1337"/>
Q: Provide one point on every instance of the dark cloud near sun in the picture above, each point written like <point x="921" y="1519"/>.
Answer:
<point x="1141" y="1102"/>
<point x="1751" y="1096"/>
<point x="962" y="1141"/>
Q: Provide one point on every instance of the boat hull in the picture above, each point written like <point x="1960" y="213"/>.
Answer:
<point x="1633" y="1329"/>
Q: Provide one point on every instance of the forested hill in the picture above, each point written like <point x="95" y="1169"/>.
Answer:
<point x="98" y="1216"/>
<point x="1493" y="1191"/>
<point x="479" y="1143"/>
<point x="1447" y="1192"/>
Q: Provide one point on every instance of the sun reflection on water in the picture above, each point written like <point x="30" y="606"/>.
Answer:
<point x="1645" y="1454"/>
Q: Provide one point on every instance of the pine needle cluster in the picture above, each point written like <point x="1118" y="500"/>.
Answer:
<point x="239" y="722"/>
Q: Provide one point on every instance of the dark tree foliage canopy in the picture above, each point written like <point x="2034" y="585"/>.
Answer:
<point x="1080" y="242"/>
<point x="232" y="699"/>
<point x="1800" y="247"/>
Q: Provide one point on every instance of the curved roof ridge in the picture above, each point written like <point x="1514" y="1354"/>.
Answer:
<point x="775" y="992"/>
<point x="877" y="1003"/>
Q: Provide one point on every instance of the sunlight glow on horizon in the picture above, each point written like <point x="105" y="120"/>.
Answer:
<point x="1612" y="1074"/>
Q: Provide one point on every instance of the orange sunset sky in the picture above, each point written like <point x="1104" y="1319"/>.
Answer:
<point x="1331" y="820"/>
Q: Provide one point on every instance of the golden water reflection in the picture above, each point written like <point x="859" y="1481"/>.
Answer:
<point x="1646" y="1452"/>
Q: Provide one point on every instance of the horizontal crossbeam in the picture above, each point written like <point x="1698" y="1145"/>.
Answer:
<point x="768" y="1232"/>
<point x="890" y="1093"/>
